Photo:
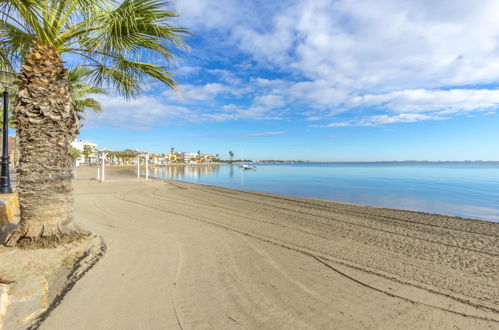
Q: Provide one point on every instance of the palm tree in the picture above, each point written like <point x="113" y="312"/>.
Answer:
<point x="125" y="44"/>
<point x="74" y="153"/>
<point x="80" y="89"/>
<point x="87" y="152"/>
<point x="231" y="155"/>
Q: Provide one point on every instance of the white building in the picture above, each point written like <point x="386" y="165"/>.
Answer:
<point x="80" y="145"/>
<point x="189" y="156"/>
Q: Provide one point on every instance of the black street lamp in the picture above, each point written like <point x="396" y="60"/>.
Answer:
<point x="6" y="79"/>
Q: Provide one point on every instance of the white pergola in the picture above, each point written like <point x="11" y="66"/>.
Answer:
<point x="101" y="174"/>
<point x="146" y="161"/>
<point x="101" y="171"/>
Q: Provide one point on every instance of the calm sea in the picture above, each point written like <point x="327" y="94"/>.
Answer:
<point x="458" y="189"/>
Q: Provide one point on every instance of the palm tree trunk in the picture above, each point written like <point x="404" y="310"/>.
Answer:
<point x="46" y="123"/>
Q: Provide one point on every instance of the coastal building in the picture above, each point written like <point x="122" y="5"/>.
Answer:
<point x="13" y="151"/>
<point x="158" y="159"/>
<point x="189" y="157"/>
<point x="175" y="157"/>
<point x="88" y="150"/>
<point x="205" y="158"/>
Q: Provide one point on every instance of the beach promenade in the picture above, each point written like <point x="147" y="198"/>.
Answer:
<point x="186" y="256"/>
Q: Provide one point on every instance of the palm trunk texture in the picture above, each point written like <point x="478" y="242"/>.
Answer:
<point x="46" y="123"/>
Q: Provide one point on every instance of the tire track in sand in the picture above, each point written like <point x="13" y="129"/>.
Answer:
<point x="315" y="256"/>
<point x="318" y="218"/>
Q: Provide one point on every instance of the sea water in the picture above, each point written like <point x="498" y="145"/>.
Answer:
<point x="464" y="189"/>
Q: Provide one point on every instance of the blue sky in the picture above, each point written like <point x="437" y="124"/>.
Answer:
<point x="349" y="80"/>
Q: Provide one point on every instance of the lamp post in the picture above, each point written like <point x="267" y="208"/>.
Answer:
<point x="6" y="79"/>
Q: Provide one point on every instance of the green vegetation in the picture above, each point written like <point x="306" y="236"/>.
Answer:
<point x="87" y="151"/>
<point x="74" y="153"/>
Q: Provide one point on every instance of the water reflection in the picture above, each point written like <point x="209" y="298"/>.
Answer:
<point x="457" y="190"/>
<point x="186" y="171"/>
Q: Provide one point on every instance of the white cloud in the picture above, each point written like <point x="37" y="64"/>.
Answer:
<point x="190" y="93"/>
<point x="391" y="61"/>
<point x="379" y="120"/>
<point x="246" y="135"/>
<point x="139" y="113"/>
<point x="421" y="104"/>
<point x="256" y="134"/>
<point x="400" y="56"/>
<point x="226" y="76"/>
<point x="442" y="101"/>
<point x="270" y="100"/>
<point x="271" y="133"/>
<point x="394" y="44"/>
<point x="187" y="70"/>
<point x="241" y="113"/>
<point x="146" y="111"/>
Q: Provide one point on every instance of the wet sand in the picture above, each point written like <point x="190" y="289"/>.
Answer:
<point x="189" y="256"/>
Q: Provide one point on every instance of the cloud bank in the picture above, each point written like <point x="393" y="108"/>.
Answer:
<point x="375" y="62"/>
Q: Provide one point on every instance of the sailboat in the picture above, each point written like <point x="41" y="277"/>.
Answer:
<point x="245" y="167"/>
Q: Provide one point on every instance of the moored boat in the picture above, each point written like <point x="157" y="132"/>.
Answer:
<point x="247" y="167"/>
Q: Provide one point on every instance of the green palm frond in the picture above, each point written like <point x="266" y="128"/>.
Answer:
<point x="124" y="84"/>
<point x="123" y="45"/>
<point x="80" y="90"/>
<point x="89" y="103"/>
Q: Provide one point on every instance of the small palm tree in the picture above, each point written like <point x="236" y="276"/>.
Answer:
<point x="75" y="153"/>
<point x="87" y="152"/>
<point x="231" y="155"/>
<point x="124" y="44"/>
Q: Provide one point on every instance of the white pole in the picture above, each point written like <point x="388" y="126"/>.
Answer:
<point x="147" y="166"/>
<point x="98" y="172"/>
<point x="138" y="167"/>
<point x="103" y="163"/>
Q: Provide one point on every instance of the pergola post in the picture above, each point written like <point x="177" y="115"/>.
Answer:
<point x="147" y="166"/>
<point x="103" y="156"/>
<point x="138" y="167"/>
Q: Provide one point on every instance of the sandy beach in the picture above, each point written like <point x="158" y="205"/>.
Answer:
<point x="187" y="256"/>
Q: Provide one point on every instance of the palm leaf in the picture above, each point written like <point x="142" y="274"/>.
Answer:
<point x="81" y="89"/>
<point x="121" y="45"/>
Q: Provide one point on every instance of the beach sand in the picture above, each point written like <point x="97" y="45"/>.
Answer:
<point x="189" y="256"/>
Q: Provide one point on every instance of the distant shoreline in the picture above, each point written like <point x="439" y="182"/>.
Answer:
<point x="494" y="162"/>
